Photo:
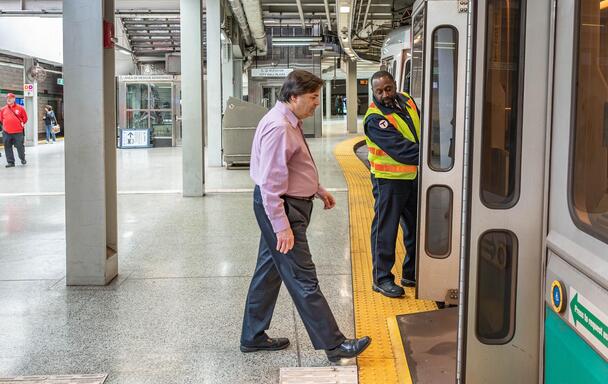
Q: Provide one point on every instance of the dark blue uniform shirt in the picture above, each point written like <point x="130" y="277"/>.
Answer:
<point x="389" y="139"/>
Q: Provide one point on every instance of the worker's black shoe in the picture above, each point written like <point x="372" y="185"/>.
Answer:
<point x="23" y="162"/>
<point x="408" y="283"/>
<point x="267" y="345"/>
<point x="9" y="165"/>
<point x="389" y="289"/>
<point x="348" y="349"/>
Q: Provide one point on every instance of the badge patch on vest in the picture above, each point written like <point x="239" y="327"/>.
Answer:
<point x="383" y="124"/>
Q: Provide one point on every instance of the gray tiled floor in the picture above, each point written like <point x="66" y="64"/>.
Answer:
<point x="174" y="313"/>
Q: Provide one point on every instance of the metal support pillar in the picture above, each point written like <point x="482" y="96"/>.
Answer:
<point x="238" y="78"/>
<point x="214" y="83"/>
<point x="30" y="102"/>
<point x="328" y="99"/>
<point x="351" y="96"/>
<point x="193" y="142"/>
<point x="90" y="144"/>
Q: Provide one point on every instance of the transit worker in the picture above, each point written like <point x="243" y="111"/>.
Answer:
<point x="13" y="118"/>
<point x="392" y="133"/>
<point x="287" y="181"/>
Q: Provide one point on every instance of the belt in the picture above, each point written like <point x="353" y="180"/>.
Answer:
<point x="309" y="198"/>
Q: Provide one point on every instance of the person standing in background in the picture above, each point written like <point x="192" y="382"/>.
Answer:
<point x="49" y="121"/>
<point x="13" y="118"/>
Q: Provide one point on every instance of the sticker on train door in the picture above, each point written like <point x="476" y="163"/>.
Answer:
<point x="589" y="321"/>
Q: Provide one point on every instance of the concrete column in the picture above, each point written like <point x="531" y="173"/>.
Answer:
<point x="237" y="78"/>
<point x="193" y="142"/>
<point x="31" y="106"/>
<point x="351" y="96"/>
<point x="328" y="103"/>
<point x="227" y="74"/>
<point x="214" y="84"/>
<point x="90" y="144"/>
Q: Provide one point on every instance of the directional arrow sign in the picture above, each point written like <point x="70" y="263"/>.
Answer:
<point x="590" y="321"/>
<point x="581" y="314"/>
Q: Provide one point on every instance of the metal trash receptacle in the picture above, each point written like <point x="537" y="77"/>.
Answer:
<point x="240" y="120"/>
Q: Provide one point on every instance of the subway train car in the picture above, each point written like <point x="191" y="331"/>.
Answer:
<point x="513" y="214"/>
<point x="396" y="56"/>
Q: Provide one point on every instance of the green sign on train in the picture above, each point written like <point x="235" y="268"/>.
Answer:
<point x="589" y="320"/>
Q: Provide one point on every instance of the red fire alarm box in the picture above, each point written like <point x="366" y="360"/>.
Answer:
<point x="108" y="34"/>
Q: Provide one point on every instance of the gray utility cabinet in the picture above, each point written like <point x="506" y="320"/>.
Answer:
<point x="238" y="127"/>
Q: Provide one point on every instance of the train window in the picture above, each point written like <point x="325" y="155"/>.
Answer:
<point x="496" y="282"/>
<point x="439" y="221"/>
<point x="418" y="54"/>
<point x="589" y="160"/>
<point x="405" y="77"/>
<point x="443" y="98"/>
<point x="501" y="127"/>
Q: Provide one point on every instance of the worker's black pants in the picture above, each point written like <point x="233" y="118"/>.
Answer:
<point x="395" y="200"/>
<point x="297" y="271"/>
<point x="10" y="140"/>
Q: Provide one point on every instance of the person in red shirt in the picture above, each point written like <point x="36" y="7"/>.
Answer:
<point x="13" y="119"/>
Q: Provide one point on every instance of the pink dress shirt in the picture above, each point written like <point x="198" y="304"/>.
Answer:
<point x="281" y="163"/>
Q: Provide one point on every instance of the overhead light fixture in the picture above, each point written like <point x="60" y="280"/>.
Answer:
<point x="344" y="9"/>
<point x="317" y="47"/>
<point x="291" y="44"/>
<point x="296" y="39"/>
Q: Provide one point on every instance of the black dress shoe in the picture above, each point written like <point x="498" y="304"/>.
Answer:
<point x="348" y="349"/>
<point x="389" y="289"/>
<point x="9" y="165"/>
<point x="23" y="162"/>
<point x="408" y="283"/>
<point x="268" y="345"/>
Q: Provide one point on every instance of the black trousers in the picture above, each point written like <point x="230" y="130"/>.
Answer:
<point x="395" y="201"/>
<point x="297" y="271"/>
<point x="10" y="140"/>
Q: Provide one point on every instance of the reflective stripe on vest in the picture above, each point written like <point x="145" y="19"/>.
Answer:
<point x="381" y="164"/>
<point x="376" y="151"/>
<point x="394" y="168"/>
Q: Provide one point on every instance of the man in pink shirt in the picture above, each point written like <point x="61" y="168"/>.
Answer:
<point x="287" y="181"/>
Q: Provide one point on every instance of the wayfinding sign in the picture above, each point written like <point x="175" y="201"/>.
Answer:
<point x="134" y="138"/>
<point x="270" y="72"/>
<point x="589" y="321"/>
<point x="28" y="90"/>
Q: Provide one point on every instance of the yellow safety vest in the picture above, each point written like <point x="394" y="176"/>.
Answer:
<point x="381" y="164"/>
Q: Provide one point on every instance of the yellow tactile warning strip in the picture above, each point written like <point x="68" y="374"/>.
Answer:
<point x="373" y="312"/>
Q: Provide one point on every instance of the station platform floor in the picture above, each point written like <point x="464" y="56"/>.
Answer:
<point x="173" y="315"/>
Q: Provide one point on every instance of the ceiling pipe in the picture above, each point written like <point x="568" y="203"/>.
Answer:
<point x="327" y="15"/>
<point x="369" y="2"/>
<point x="301" y="12"/>
<point x="239" y="13"/>
<point x="253" y="12"/>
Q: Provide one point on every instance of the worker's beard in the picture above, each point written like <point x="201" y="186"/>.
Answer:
<point x="389" y="102"/>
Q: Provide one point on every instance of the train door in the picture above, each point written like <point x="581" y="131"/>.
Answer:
<point x="501" y="330"/>
<point x="576" y="282"/>
<point x="441" y="160"/>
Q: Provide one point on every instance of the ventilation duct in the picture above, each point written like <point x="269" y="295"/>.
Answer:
<point x="248" y="13"/>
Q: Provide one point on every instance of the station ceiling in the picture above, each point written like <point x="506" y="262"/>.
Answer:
<point x="152" y="27"/>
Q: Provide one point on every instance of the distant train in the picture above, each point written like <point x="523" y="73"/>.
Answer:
<point x="513" y="215"/>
